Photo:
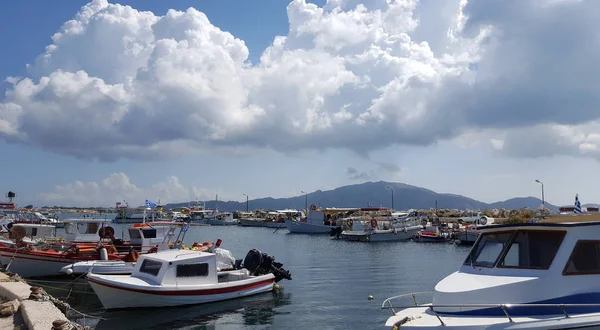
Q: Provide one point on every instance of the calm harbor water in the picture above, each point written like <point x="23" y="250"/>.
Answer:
<point x="331" y="282"/>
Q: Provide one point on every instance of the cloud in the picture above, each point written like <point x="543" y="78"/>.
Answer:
<point x="121" y="83"/>
<point x="118" y="187"/>
<point x="354" y="174"/>
<point x="384" y="170"/>
<point x="547" y="140"/>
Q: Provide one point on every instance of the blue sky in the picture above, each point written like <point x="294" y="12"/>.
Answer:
<point x="317" y="113"/>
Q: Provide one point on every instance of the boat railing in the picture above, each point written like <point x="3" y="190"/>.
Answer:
<point x="387" y="304"/>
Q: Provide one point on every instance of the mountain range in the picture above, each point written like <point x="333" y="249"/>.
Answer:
<point x="375" y="194"/>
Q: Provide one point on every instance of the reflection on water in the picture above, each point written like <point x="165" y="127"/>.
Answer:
<point x="255" y="310"/>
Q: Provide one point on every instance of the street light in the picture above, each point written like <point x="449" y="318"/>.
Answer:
<point x="305" y="200"/>
<point x="543" y="202"/>
<point x="246" y="202"/>
<point x="392" y="190"/>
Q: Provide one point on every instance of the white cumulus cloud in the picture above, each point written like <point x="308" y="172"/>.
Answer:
<point x="117" y="187"/>
<point x="118" y="82"/>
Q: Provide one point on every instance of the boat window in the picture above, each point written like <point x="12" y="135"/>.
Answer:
<point x="533" y="249"/>
<point x="33" y="232"/>
<point x="151" y="267"/>
<point x="149" y="233"/>
<point x="585" y="259"/>
<point x="92" y="228"/>
<point x="69" y="228"/>
<point x="134" y="233"/>
<point x="487" y="250"/>
<point x="192" y="270"/>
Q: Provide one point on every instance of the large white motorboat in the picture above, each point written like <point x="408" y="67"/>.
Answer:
<point x="398" y="228"/>
<point x="183" y="277"/>
<point x="537" y="275"/>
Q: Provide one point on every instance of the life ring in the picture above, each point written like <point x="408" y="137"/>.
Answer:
<point x="106" y="232"/>
<point x="374" y="223"/>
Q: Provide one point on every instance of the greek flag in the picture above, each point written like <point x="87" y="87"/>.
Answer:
<point x="577" y="204"/>
<point x="150" y="204"/>
<point x="185" y="227"/>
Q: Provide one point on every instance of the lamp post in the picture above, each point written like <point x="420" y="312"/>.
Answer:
<point x="392" y="190"/>
<point x="543" y="201"/>
<point x="246" y="202"/>
<point x="305" y="200"/>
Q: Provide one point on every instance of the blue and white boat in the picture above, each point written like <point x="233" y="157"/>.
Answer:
<point x="538" y="275"/>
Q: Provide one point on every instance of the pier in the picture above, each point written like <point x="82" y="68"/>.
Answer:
<point x="25" y="307"/>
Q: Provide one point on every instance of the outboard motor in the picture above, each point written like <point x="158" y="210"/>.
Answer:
<point x="258" y="263"/>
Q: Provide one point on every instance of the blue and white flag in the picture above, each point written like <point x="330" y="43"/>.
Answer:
<point x="577" y="204"/>
<point x="150" y="204"/>
<point x="185" y="227"/>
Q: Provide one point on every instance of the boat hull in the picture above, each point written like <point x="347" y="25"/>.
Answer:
<point x="423" y="319"/>
<point x="251" y="223"/>
<point x="275" y="225"/>
<point x="36" y="264"/>
<point x="221" y="223"/>
<point x="113" y="295"/>
<point x="379" y="236"/>
<point x="466" y="237"/>
<point x="307" y="228"/>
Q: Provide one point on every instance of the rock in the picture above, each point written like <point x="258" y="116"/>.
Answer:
<point x="9" y="308"/>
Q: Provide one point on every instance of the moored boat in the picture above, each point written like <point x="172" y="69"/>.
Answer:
<point x="541" y="275"/>
<point x="318" y="220"/>
<point x="396" y="229"/>
<point x="183" y="277"/>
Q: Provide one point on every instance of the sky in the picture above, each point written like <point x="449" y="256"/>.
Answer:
<point x="105" y="101"/>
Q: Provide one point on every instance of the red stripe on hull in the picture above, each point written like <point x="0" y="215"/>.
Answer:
<point x="51" y="257"/>
<point x="201" y="292"/>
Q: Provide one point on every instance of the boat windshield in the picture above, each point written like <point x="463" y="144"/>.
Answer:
<point x="523" y="249"/>
<point x="488" y="249"/>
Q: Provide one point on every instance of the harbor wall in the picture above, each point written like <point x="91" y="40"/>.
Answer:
<point x="36" y="314"/>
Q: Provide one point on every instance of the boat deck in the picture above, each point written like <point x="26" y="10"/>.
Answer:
<point x="424" y="317"/>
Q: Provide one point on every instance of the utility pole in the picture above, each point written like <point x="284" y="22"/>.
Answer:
<point x="305" y="200"/>
<point x="543" y="201"/>
<point x="246" y="202"/>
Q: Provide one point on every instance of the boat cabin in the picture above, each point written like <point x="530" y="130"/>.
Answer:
<point x="144" y="236"/>
<point x="328" y="216"/>
<point x="177" y="268"/>
<point x="556" y="263"/>
<point x="32" y="231"/>
<point x="85" y="230"/>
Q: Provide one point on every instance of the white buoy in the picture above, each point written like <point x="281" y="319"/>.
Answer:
<point x="69" y="271"/>
<point x="103" y="254"/>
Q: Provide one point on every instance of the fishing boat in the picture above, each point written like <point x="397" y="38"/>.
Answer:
<point x="468" y="235"/>
<point x="431" y="234"/>
<point x="397" y="229"/>
<point x="225" y="260"/>
<point x="538" y="275"/>
<point x="182" y="277"/>
<point x="318" y="220"/>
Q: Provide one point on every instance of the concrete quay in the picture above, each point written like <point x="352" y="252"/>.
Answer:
<point x="27" y="307"/>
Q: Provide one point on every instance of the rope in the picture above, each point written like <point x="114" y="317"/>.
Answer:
<point x="61" y="288"/>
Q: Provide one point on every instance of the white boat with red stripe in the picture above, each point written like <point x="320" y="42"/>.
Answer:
<point x="183" y="277"/>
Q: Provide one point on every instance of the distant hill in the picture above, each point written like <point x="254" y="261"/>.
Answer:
<point x="375" y="194"/>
